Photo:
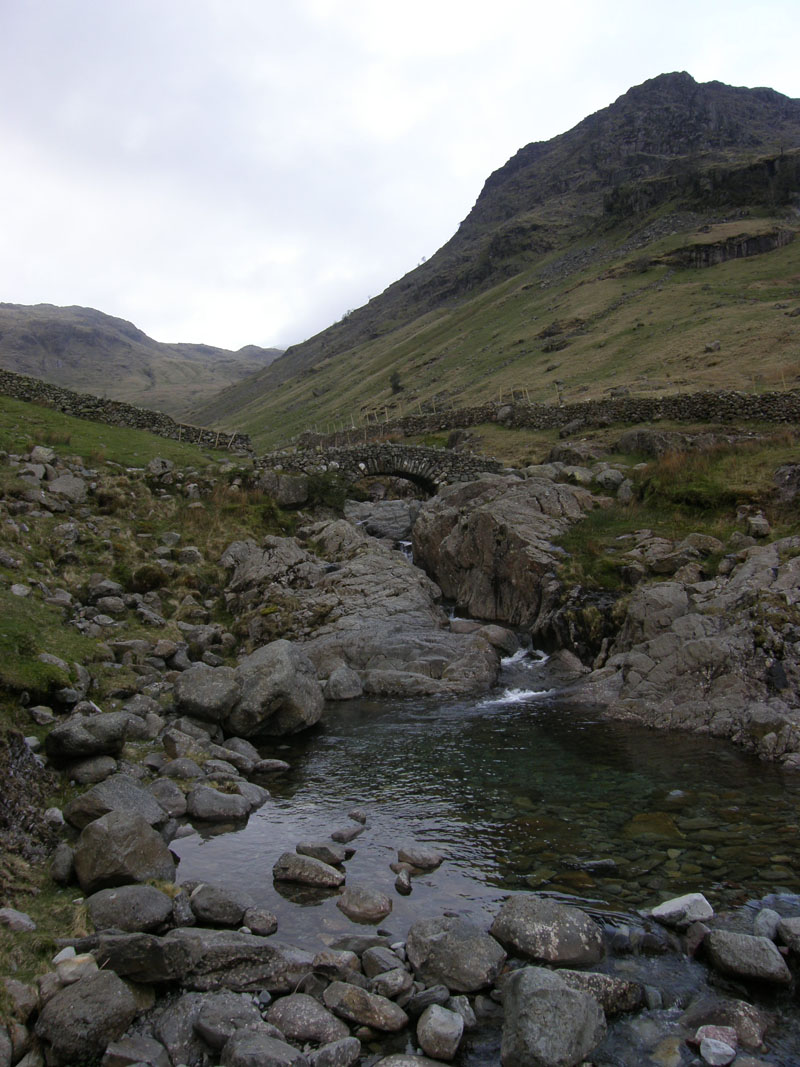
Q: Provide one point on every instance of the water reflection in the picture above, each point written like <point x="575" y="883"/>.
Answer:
<point x="519" y="791"/>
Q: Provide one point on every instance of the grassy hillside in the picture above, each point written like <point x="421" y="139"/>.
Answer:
<point x="629" y="318"/>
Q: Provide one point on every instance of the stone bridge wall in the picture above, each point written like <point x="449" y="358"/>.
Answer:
<point x="116" y="413"/>
<point x="783" y="407"/>
<point x="430" y="467"/>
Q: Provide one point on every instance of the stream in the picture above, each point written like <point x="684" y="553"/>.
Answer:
<point x="519" y="791"/>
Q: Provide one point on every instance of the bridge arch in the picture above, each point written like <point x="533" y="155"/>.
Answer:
<point x="429" y="468"/>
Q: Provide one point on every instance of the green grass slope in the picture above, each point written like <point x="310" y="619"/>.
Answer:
<point x="585" y="265"/>
<point x="632" y="318"/>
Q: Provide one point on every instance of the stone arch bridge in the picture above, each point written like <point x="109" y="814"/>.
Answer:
<point x="429" y="468"/>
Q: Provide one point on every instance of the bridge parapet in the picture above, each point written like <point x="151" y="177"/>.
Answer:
<point x="429" y="467"/>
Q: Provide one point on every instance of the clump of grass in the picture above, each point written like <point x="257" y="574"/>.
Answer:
<point x="29" y="628"/>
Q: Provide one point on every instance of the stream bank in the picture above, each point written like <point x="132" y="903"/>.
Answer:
<point x="162" y="764"/>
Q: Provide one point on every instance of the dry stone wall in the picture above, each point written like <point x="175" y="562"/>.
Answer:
<point x="116" y="413"/>
<point x="773" y="407"/>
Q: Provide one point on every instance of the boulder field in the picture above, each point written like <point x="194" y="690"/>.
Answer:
<point x="195" y="973"/>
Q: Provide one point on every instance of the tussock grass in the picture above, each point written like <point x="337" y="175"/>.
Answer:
<point x="707" y="490"/>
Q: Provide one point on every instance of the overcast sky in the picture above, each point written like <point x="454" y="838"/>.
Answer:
<point x="245" y="171"/>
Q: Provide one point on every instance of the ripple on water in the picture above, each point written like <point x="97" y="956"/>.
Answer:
<point x="518" y="792"/>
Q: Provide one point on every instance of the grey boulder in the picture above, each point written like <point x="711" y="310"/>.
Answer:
<point x="439" y="1032"/>
<point x="280" y="693"/>
<point x="548" y="932"/>
<point x="207" y="693"/>
<point x="80" y="1020"/>
<point x="129" y="908"/>
<point x="367" y="1009"/>
<point x="120" y="792"/>
<point x="120" y="848"/>
<point x="548" y="1024"/>
<point x="302" y="1018"/>
<point x="454" y="953"/>
<point x="746" y="956"/>
<point x="87" y="735"/>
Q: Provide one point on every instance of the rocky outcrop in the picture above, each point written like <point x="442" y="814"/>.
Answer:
<point x="716" y="656"/>
<point x="351" y="602"/>
<point x="489" y="543"/>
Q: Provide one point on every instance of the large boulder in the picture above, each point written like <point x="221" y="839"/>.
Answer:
<point x="205" y="960"/>
<point x="118" y="849"/>
<point x="367" y="1009"/>
<point x="455" y="953"/>
<point x="280" y="693"/>
<point x="548" y="932"/>
<point x="302" y="1018"/>
<point x="79" y="1021"/>
<point x="258" y="1048"/>
<point x="120" y="792"/>
<point x="206" y="693"/>
<point x="129" y="908"/>
<point x="547" y="1023"/>
<point x="748" y="957"/>
<point x="207" y="804"/>
<point x="82" y="735"/>
<point x="490" y="543"/>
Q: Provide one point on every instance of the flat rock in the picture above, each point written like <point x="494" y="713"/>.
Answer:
<point x="423" y="857"/>
<point x="745" y="956"/>
<point x="363" y="904"/>
<point x="291" y="867"/>
<point x="324" y="851"/>
<point x="549" y="932"/>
